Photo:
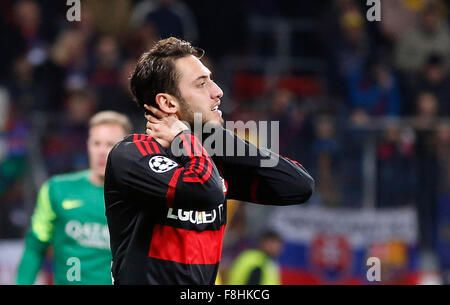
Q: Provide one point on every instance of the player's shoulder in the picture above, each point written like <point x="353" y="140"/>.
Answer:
<point x="66" y="181"/>
<point x="134" y="146"/>
<point x="69" y="177"/>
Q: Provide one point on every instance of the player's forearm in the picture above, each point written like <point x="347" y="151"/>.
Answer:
<point x="264" y="177"/>
<point x="286" y="184"/>
<point x="30" y="264"/>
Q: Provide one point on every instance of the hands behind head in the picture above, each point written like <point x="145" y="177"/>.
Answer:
<point x="163" y="127"/>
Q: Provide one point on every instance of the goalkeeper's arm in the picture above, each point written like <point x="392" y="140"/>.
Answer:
<point x="37" y="239"/>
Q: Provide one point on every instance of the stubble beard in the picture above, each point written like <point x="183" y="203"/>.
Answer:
<point x="187" y="115"/>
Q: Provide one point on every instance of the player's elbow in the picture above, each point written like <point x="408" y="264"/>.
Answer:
<point x="305" y="189"/>
<point x="298" y="191"/>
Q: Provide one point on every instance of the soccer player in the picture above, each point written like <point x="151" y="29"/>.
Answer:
<point x="70" y="215"/>
<point x="258" y="266"/>
<point x="165" y="195"/>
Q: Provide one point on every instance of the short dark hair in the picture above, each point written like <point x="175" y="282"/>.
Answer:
<point x="435" y="60"/>
<point x="155" y="70"/>
<point x="269" y="234"/>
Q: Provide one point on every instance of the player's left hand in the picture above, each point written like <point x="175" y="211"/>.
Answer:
<point x="163" y="127"/>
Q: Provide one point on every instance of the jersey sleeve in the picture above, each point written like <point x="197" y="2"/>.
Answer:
<point x="183" y="176"/>
<point x="263" y="176"/>
<point x="37" y="238"/>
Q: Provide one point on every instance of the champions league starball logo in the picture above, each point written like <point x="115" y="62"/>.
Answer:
<point x="161" y="164"/>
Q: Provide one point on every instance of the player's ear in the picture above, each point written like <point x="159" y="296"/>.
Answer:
<point x="166" y="103"/>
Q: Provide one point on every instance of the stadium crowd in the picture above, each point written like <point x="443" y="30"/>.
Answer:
<point x="354" y="84"/>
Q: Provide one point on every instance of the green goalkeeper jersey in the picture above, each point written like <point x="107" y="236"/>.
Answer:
<point x="69" y="216"/>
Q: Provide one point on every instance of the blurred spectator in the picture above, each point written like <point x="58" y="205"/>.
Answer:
<point x="87" y="25"/>
<point x="117" y="96"/>
<point x="107" y="17"/>
<point x="23" y="88"/>
<point x="443" y="150"/>
<point x="13" y="167"/>
<point x="29" y="22"/>
<point x="396" y="172"/>
<point x="9" y="36"/>
<point x="332" y="17"/>
<point x="430" y="36"/>
<point x="64" y="146"/>
<point x="346" y="39"/>
<point x="428" y="169"/>
<point x="236" y="239"/>
<point x="399" y="16"/>
<point x="105" y="71"/>
<point x="140" y="39"/>
<point x="427" y="109"/>
<point x="326" y="148"/>
<point x="295" y="125"/>
<point x="443" y="218"/>
<point x="169" y="17"/>
<point x="28" y="17"/>
<point x="257" y="266"/>
<point x="434" y="79"/>
<point x="354" y="137"/>
<point x="69" y="53"/>
<point x="374" y="90"/>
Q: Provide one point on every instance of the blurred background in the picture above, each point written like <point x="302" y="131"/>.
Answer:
<point x="364" y="106"/>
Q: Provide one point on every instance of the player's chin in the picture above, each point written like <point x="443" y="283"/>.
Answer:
<point x="216" y="119"/>
<point x="215" y="122"/>
<point x="99" y="171"/>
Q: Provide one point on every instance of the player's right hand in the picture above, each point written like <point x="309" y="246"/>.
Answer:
<point x="163" y="127"/>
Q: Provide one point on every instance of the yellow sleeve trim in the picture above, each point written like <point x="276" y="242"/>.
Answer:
<point x="43" y="216"/>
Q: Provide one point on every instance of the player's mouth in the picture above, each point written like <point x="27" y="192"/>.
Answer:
<point x="216" y="108"/>
<point x="216" y="111"/>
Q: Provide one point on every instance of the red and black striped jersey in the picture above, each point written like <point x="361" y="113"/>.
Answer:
<point x="166" y="208"/>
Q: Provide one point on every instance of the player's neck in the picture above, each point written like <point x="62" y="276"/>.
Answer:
<point x="96" y="179"/>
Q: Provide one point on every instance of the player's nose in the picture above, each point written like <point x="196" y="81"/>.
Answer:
<point x="105" y="151"/>
<point x="216" y="92"/>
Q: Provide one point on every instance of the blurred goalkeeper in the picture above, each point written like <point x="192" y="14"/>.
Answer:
<point x="165" y="196"/>
<point x="70" y="215"/>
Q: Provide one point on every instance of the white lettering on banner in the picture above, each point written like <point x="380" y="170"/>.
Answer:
<point x="301" y="224"/>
